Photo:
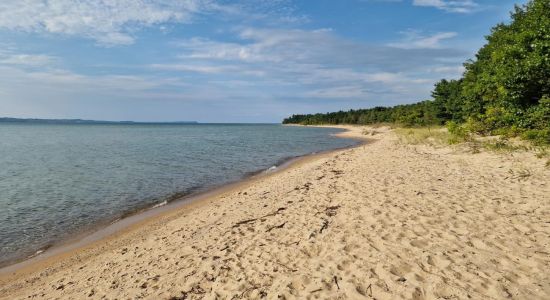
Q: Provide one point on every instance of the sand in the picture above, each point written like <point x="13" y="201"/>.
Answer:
<point x="384" y="220"/>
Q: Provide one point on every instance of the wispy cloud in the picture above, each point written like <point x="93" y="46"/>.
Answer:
<point x="318" y="63"/>
<point x="449" y="71"/>
<point x="457" y="6"/>
<point x="192" y="68"/>
<point x="66" y="81"/>
<point x="338" y="92"/>
<point x="10" y="55"/>
<point x="321" y="47"/>
<point x="271" y="12"/>
<point x="107" y="22"/>
<point x="115" y="22"/>
<point x="31" y="60"/>
<point x="416" y="40"/>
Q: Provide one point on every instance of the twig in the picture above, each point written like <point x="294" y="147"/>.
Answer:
<point x="280" y="209"/>
<point x="369" y="288"/>
<point x="244" y="222"/>
<point x="255" y="219"/>
<point x="276" y="226"/>
<point x="285" y="266"/>
<point x="336" y="281"/>
<point x="325" y="226"/>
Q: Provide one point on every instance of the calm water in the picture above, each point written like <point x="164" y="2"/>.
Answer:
<point x="57" y="180"/>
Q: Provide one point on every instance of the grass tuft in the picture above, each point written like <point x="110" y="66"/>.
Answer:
<point x="429" y="135"/>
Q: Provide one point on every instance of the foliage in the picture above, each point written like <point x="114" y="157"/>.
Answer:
<point x="505" y="90"/>
<point x="458" y="133"/>
<point x="421" y="114"/>
<point x="448" y="100"/>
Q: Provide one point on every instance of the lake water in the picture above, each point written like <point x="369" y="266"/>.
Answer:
<point x="59" y="180"/>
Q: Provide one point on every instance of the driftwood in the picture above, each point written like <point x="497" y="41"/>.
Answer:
<point x="276" y="227"/>
<point x="280" y="209"/>
<point x="244" y="222"/>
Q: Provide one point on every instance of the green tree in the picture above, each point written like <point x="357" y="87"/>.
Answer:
<point x="448" y="100"/>
<point x="511" y="73"/>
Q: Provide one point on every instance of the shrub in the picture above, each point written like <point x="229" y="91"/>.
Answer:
<point x="458" y="133"/>
<point x="538" y="136"/>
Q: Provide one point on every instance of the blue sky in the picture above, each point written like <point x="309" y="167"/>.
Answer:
<point x="230" y="61"/>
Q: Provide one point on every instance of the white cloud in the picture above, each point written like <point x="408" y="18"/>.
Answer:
<point x="207" y="69"/>
<point x="303" y="47"/>
<point x="450" y="69"/>
<point x="257" y="45"/>
<point x="109" y="22"/>
<point x="26" y="59"/>
<point x="415" y="40"/>
<point x="191" y="68"/>
<point x="67" y="81"/>
<point x="115" y="22"/>
<point x="272" y="12"/>
<point x="200" y="48"/>
<point x="319" y="64"/>
<point x="457" y="6"/>
<point x="354" y="91"/>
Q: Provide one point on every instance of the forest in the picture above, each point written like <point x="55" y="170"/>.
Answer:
<point x="505" y="89"/>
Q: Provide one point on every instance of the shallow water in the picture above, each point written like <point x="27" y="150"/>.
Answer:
<point x="58" y="180"/>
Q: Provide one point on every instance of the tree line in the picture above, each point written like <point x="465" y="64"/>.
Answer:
<point x="504" y="90"/>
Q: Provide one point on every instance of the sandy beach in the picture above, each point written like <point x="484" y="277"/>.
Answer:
<point x="384" y="220"/>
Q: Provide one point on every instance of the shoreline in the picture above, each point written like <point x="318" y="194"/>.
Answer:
<point x="384" y="220"/>
<point x="104" y="231"/>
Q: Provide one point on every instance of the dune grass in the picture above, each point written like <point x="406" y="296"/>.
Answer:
<point x="441" y="136"/>
<point x="424" y="135"/>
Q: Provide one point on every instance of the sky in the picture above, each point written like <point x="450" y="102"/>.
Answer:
<point x="231" y="61"/>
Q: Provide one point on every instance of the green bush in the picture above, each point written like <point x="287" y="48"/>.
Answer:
<point x="458" y="133"/>
<point x="538" y="136"/>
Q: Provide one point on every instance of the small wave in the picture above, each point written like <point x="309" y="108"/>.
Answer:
<point x="163" y="203"/>
<point x="272" y="169"/>
<point x="38" y="252"/>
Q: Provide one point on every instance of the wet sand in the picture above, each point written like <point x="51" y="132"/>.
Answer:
<point x="383" y="220"/>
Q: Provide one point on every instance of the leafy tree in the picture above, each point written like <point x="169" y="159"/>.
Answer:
<point x="511" y="73"/>
<point x="448" y="100"/>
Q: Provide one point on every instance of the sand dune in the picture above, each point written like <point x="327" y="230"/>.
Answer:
<point x="380" y="221"/>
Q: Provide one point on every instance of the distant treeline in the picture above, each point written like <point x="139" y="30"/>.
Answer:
<point x="504" y="90"/>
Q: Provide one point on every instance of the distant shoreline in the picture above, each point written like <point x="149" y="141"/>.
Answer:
<point x="82" y="121"/>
